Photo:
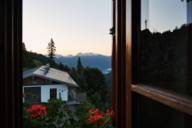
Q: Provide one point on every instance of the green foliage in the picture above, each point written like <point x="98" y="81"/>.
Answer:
<point x="61" y="115"/>
<point x="82" y="112"/>
<point x="96" y="89"/>
<point x="95" y="79"/>
<point x="53" y="106"/>
<point x="92" y="81"/>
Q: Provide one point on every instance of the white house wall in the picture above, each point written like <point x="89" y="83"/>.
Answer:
<point x="45" y="91"/>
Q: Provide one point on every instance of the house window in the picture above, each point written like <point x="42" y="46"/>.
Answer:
<point x="32" y="94"/>
<point x="53" y="93"/>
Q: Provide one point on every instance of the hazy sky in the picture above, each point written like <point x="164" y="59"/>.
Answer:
<point x="75" y="25"/>
<point x="164" y="15"/>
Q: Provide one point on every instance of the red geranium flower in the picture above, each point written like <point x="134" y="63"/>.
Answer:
<point x="95" y="117"/>
<point x="37" y="111"/>
<point x="100" y="119"/>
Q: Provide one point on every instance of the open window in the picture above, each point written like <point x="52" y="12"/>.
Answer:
<point x="138" y="100"/>
<point x="161" y="63"/>
<point x="152" y="64"/>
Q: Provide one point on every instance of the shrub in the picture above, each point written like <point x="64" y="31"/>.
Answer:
<point x="56" y="114"/>
<point x="99" y="119"/>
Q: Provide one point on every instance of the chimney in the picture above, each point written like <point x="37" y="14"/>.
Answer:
<point x="47" y="67"/>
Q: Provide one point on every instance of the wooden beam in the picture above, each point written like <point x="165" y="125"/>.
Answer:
<point x="165" y="97"/>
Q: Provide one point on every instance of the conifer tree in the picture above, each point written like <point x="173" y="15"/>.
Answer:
<point x="51" y="49"/>
<point x="79" y="64"/>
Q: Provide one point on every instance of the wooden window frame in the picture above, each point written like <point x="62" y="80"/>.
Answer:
<point x="10" y="63"/>
<point x="126" y="92"/>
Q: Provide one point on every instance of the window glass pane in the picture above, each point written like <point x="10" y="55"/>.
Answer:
<point x="166" y="44"/>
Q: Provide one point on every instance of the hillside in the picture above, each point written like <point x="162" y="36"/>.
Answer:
<point x="32" y="60"/>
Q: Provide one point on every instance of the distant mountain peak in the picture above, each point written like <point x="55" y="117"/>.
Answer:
<point x="87" y="54"/>
<point x="99" y="61"/>
<point x="81" y="54"/>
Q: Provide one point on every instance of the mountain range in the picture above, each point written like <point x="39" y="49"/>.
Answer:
<point x="93" y="60"/>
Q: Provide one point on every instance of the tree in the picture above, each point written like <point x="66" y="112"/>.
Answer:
<point x="79" y="64"/>
<point x="63" y="67"/>
<point x="96" y="87"/>
<point x="51" y="49"/>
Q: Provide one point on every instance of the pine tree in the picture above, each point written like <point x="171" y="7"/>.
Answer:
<point x="79" y="64"/>
<point x="51" y="49"/>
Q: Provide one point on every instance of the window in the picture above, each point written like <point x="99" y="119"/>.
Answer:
<point x="142" y="96"/>
<point x="32" y="94"/>
<point x="53" y="93"/>
<point x="161" y="52"/>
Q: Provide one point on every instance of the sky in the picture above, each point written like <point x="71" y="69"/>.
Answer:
<point x="163" y="15"/>
<point x="75" y="26"/>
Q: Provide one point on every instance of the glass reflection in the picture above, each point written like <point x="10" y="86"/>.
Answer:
<point x="166" y="44"/>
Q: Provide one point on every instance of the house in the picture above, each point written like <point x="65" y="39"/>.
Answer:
<point x="44" y="83"/>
